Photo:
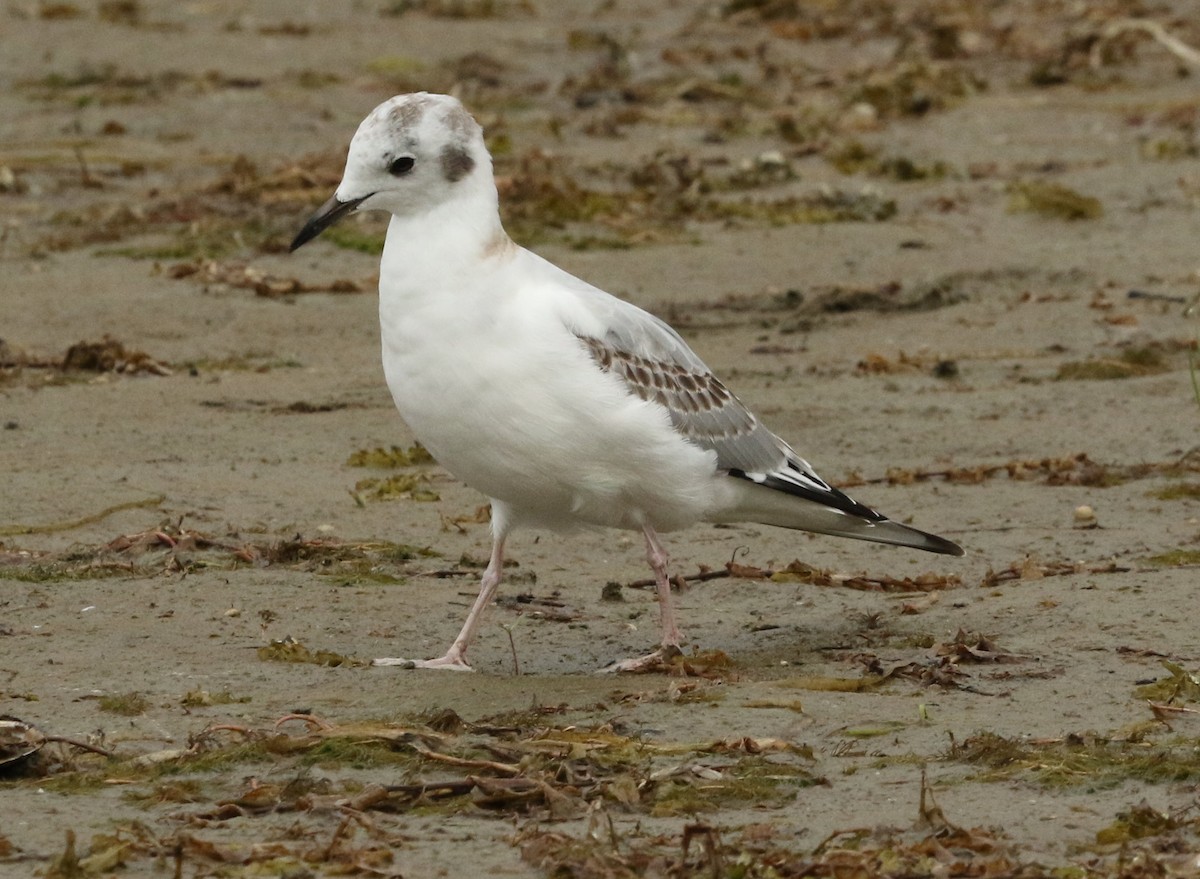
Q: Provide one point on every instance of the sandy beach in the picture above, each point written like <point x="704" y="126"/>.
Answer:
<point x="945" y="249"/>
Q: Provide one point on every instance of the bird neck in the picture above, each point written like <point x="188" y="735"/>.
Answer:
<point x="432" y="248"/>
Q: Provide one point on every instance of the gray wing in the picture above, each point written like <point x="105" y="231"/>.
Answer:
<point x="658" y="366"/>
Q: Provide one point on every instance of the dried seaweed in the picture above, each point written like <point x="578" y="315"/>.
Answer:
<point x="1031" y="568"/>
<point x="171" y="548"/>
<point x="800" y="572"/>
<point x="1052" y="200"/>
<point x="1131" y="364"/>
<point x="402" y="486"/>
<point x="106" y="355"/>
<point x="290" y="650"/>
<point x="1077" y="759"/>
<point x="109" y="355"/>
<point x="758" y="851"/>
<point x="390" y="458"/>
<point x="1078" y="469"/>
<point x="241" y="276"/>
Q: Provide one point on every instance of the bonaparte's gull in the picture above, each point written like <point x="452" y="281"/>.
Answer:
<point x="563" y="404"/>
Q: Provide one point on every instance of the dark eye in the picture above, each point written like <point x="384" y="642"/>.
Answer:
<point x="401" y="166"/>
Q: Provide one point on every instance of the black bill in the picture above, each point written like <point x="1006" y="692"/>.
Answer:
<point x="326" y="215"/>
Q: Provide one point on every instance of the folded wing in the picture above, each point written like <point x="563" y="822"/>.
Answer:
<point x="659" y="367"/>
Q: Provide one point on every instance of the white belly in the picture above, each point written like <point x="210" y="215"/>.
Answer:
<point x="522" y="414"/>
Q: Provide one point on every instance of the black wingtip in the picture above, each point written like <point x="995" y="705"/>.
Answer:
<point x="893" y="532"/>
<point x="848" y="517"/>
<point x="826" y="497"/>
<point x="942" y="545"/>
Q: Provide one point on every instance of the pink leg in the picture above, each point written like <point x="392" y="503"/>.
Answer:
<point x="455" y="659"/>
<point x="658" y="558"/>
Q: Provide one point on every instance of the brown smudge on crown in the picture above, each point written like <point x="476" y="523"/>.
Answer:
<point x="459" y="122"/>
<point x="406" y="114"/>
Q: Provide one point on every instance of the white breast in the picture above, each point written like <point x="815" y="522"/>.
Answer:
<point x="509" y="400"/>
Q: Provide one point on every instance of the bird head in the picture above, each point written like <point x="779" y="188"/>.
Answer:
<point x="412" y="153"/>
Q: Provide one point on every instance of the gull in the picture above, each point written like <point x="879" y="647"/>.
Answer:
<point x="565" y="405"/>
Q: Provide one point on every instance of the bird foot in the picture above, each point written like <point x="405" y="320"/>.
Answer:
<point x="446" y="663"/>
<point x="658" y="661"/>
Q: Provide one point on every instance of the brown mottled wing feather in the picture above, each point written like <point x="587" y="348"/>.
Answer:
<point x="701" y="408"/>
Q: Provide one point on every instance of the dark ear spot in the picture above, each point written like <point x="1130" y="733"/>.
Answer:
<point x="456" y="163"/>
